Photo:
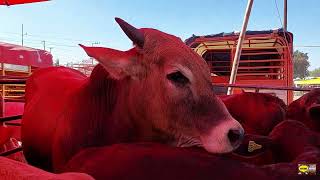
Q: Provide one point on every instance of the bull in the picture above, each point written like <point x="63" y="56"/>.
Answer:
<point x="258" y="113"/>
<point x="306" y="109"/>
<point x="158" y="91"/>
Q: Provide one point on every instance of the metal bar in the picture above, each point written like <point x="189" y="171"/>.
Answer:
<point x="260" y="67"/>
<point x="7" y="153"/>
<point x="262" y="60"/>
<point x="13" y="81"/>
<point x="14" y="90"/>
<point x="13" y="77"/>
<point x="239" y="46"/>
<point x="259" y="74"/>
<point x="285" y="15"/>
<point x="3" y="95"/>
<point x="260" y="53"/>
<point x="15" y="99"/>
<point x="262" y="87"/>
<point x="10" y="118"/>
<point x="13" y="124"/>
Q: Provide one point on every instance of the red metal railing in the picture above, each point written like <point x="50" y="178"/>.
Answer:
<point x="257" y="87"/>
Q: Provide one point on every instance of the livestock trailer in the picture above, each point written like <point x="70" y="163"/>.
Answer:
<point x="19" y="62"/>
<point x="266" y="59"/>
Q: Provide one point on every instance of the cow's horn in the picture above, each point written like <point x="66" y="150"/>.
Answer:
<point x="133" y="33"/>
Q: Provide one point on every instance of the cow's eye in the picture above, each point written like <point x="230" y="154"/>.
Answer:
<point x="178" y="78"/>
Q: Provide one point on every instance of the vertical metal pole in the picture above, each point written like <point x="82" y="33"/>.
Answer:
<point x="285" y="15"/>
<point x="22" y="35"/>
<point x="239" y="46"/>
<point x="3" y="95"/>
<point x="29" y="70"/>
<point x="44" y="45"/>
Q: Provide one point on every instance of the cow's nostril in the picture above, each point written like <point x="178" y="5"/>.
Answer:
<point x="235" y="136"/>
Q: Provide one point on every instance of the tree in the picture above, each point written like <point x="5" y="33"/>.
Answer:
<point x="300" y="64"/>
<point x="315" y="72"/>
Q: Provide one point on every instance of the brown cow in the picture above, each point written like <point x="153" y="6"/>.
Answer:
<point x="306" y="109"/>
<point x="157" y="162"/>
<point x="13" y="170"/>
<point x="160" y="90"/>
<point x="291" y="139"/>
<point x="258" y="113"/>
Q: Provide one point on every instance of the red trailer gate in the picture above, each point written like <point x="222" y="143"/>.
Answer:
<point x="266" y="59"/>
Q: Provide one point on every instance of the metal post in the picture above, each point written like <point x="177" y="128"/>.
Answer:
<point x="3" y="89"/>
<point x="285" y="15"/>
<point x="239" y="46"/>
<point x="92" y="60"/>
<point x="22" y="35"/>
<point x="44" y="45"/>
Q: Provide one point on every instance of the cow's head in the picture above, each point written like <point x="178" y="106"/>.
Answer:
<point x="170" y="90"/>
<point x="260" y="114"/>
<point x="307" y="109"/>
<point x="313" y="105"/>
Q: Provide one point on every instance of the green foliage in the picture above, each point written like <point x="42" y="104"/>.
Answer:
<point x="300" y="64"/>
<point x="315" y="72"/>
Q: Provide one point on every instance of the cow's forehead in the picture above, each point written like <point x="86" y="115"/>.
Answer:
<point x="172" y="50"/>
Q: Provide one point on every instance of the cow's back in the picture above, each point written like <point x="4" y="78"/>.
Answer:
<point x="47" y="93"/>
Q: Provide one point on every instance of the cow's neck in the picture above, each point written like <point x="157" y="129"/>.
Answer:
<point x="108" y="97"/>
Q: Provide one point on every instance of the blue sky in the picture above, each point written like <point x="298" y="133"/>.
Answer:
<point x="65" y="23"/>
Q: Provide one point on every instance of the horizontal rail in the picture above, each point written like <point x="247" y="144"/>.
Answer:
<point x="258" y="74"/>
<point x="10" y="118"/>
<point x="13" y="81"/>
<point x="262" y="87"/>
<point x="14" y="90"/>
<point x="7" y="153"/>
<point x="12" y="124"/>
<point x="261" y="60"/>
<point x="13" y="77"/>
<point x="248" y="61"/>
<point x="260" y="67"/>
<point x="15" y="99"/>
<point x="258" y="53"/>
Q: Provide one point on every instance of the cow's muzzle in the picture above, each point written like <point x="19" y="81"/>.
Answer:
<point x="223" y="138"/>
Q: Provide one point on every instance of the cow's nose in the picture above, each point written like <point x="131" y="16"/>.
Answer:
<point x="235" y="136"/>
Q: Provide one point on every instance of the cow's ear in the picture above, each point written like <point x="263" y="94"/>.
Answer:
<point x="314" y="112"/>
<point x="119" y="64"/>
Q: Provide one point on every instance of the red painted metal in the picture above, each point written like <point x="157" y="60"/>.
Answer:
<point x="15" y="2"/>
<point x="258" y="87"/>
<point x="7" y="153"/>
<point x="266" y="59"/>
<point x="13" y="81"/>
<point x="20" y="55"/>
<point x="10" y="118"/>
